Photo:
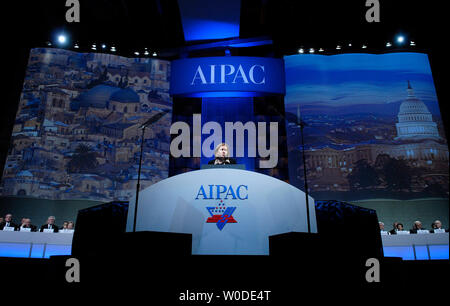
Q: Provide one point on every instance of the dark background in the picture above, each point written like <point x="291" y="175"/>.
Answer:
<point x="156" y="24"/>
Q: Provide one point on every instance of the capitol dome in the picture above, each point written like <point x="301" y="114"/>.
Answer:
<point x="97" y="96"/>
<point x="415" y="120"/>
<point x="126" y="95"/>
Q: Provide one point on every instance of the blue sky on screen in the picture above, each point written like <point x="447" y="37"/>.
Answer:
<point x="357" y="78"/>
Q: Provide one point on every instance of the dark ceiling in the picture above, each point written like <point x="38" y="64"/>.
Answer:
<point x="156" y="25"/>
<point x="132" y="25"/>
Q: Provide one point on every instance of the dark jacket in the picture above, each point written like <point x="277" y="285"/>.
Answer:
<point x="231" y="160"/>
<point x="33" y="228"/>
<point x="11" y="224"/>
<point x="432" y="230"/>
<point x="414" y="230"/>
<point x="54" y="227"/>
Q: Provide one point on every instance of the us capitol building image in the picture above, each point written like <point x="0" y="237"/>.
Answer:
<point x="414" y="120"/>
<point x="417" y="143"/>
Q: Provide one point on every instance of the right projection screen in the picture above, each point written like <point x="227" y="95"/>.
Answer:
<point x="374" y="134"/>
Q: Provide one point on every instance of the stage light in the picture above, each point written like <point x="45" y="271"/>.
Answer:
<point x="103" y="46"/>
<point x="388" y="44"/>
<point x="320" y="50"/>
<point x="154" y="54"/>
<point x="113" y="49"/>
<point x="400" y="39"/>
<point x="301" y="50"/>
<point x="76" y="46"/>
<point x="349" y="45"/>
<point x="49" y="43"/>
<point x="364" y="46"/>
<point x="338" y="47"/>
<point x="94" y="47"/>
<point x="311" y="50"/>
<point x="62" y="39"/>
<point x="412" y="43"/>
<point x="136" y="53"/>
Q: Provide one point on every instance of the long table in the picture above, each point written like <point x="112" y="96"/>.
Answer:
<point x="34" y="244"/>
<point x="417" y="246"/>
<point x="44" y="245"/>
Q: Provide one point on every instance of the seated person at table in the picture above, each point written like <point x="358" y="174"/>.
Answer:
<point x="70" y="225"/>
<point x="27" y="224"/>
<point x="65" y="225"/>
<point x="222" y="156"/>
<point x="417" y="226"/>
<point x="437" y="225"/>
<point x="8" y="223"/>
<point x="50" y="225"/>
<point x="399" y="227"/>
<point x="393" y="231"/>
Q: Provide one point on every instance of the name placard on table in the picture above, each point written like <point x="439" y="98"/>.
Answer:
<point x="8" y="229"/>
<point x="67" y="231"/>
<point x="48" y="230"/>
<point x="403" y="233"/>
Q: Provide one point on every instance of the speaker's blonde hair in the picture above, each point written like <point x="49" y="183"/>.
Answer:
<point x="218" y="147"/>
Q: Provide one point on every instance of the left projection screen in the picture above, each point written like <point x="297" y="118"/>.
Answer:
<point x="76" y="133"/>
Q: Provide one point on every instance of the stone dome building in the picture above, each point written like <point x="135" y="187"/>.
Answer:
<point x="124" y="101"/>
<point x="96" y="97"/>
<point x="415" y="121"/>
<point x="111" y="98"/>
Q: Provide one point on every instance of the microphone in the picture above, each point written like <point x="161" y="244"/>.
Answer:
<point x="154" y="118"/>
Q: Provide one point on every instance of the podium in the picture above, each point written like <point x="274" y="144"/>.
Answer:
<point x="227" y="211"/>
<point x="226" y="166"/>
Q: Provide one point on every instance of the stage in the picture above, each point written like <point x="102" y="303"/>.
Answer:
<point x="224" y="152"/>
<point x="165" y="278"/>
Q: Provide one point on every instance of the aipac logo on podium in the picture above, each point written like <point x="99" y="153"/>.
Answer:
<point x="221" y="215"/>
